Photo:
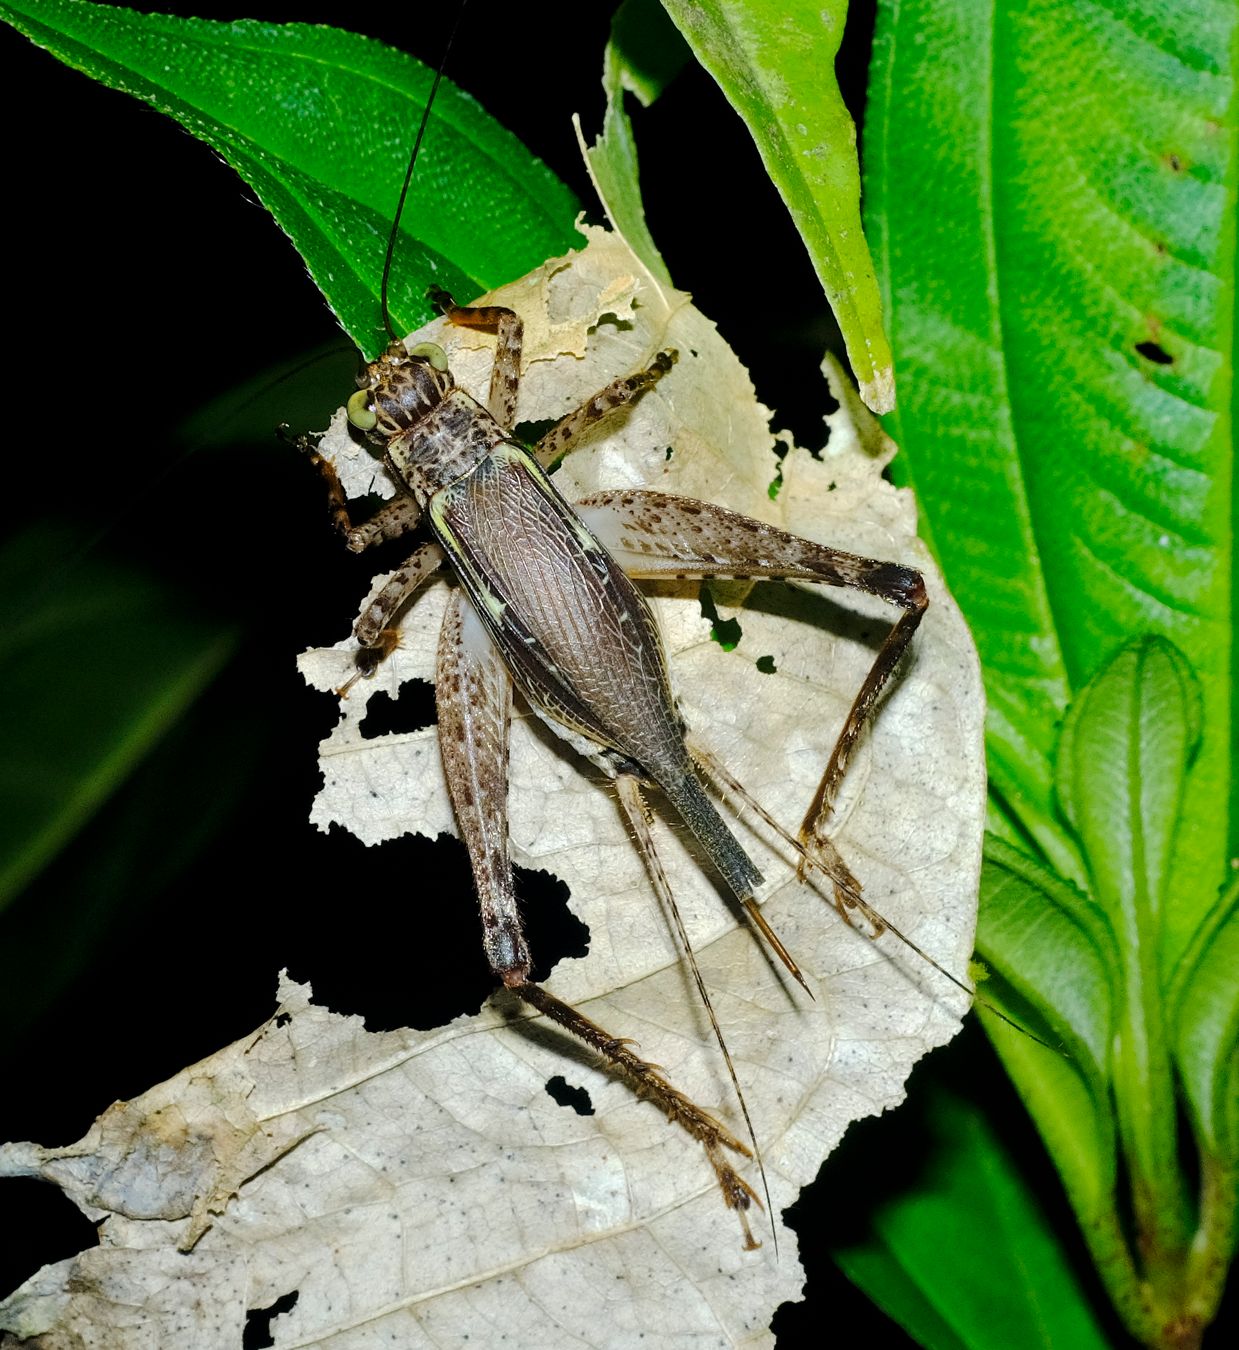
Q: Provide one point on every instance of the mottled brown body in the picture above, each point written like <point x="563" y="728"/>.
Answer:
<point x="547" y="602"/>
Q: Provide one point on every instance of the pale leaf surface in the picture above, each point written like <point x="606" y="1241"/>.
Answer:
<point x="423" y="1187"/>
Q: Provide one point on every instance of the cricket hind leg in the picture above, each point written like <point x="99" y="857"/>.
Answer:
<point x="473" y="692"/>
<point x="654" y="535"/>
<point x="649" y="1083"/>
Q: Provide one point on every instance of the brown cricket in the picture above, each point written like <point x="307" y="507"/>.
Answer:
<point x="547" y="603"/>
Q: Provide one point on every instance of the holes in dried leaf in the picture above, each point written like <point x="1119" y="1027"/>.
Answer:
<point x="766" y="665"/>
<point x="411" y="710"/>
<point x="561" y="1091"/>
<point x="530" y="433"/>
<point x="44" y="1227"/>
<point x="258" y="1321"/>
<point x="553" y="932"/>
<point x="726" y="632"/>
<point x="612" y="321"/>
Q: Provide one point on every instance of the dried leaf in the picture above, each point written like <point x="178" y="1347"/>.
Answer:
<point x="424" y="1187"/>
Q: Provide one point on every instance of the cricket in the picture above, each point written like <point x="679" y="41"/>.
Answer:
<point x="547" y="606"/>
<point x="763" y="851"/>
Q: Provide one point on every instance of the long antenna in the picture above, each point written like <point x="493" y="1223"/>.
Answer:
<point x="408" y="174"/>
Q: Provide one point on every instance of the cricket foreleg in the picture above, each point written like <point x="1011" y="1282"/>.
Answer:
<point x="558" y="441"/>
<point x="505" y="374"/>
<point x="374" y="629"/>
<point x="659" y="536"/>
<point x="394" y="518"/>
<point x="473" y="693"/>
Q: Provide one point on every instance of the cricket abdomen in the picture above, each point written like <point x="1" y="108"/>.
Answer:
<point x="701" y="816"/>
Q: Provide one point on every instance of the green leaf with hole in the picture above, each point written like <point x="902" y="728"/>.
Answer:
<point x="775" y="63"/>
<point x="1051" y="205"/>
<point x="318" y="122"/>
<point x="1052" y="209"/>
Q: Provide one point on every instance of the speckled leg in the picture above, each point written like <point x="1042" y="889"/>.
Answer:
<point x="558" y="441"/>
<point x="375" y="628"/>
<point x="394" y="518"/>
<point x="505" y="374"/>
<point x="659" y="536"/>
<point x="473" y="694"/>
<point x="646" y="1080"/>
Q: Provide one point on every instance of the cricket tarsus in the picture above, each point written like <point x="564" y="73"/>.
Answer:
<point x="547" y="604"/>
<point x="846" y="890"/>
<point x="648" y="1082"/>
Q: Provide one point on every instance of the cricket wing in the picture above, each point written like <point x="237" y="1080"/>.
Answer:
<point x="575" y="633"/>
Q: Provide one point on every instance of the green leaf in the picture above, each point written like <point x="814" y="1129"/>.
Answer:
<point x="967" y="1257"/>
<point x="645" y="52"/>
<point x="1205" y="1011"/>
<point x="1051" y="208"/>
<point x="1052" y="958"/>
<point x="1121" y="773"/>
<point x="1053" y="952"/>
<point x="775" y="63"/>
<point x="319" y="123"/>
<point x="127" y="661"/>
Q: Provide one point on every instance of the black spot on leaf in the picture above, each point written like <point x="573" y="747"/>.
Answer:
<point x="1155" y="352"/>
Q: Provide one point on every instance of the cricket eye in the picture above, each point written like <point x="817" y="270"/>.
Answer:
<point x="360" y="413"/>
<point x="430" y="351"/>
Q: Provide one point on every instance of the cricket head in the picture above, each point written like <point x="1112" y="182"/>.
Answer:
<point x="399" y="389"/>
